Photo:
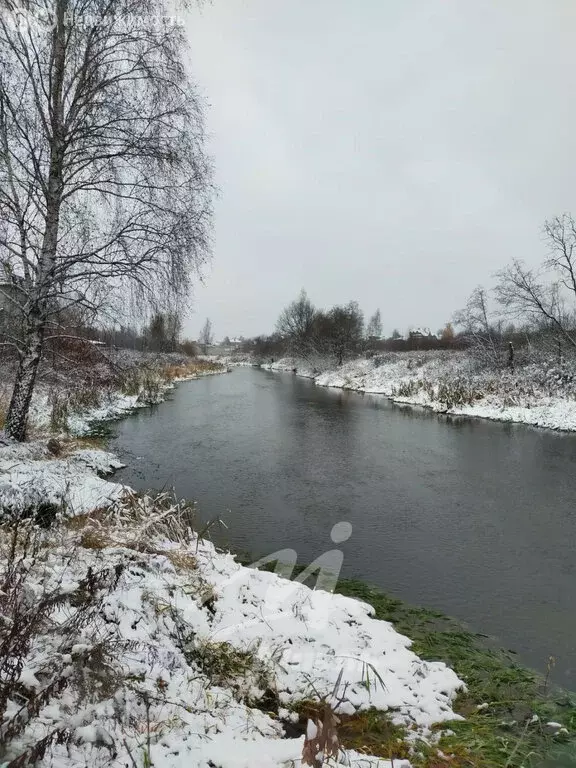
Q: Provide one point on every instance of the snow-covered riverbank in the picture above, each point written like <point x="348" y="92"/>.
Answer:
<point x="88" y="395"/>
<point x="146" y="646"/>
<point x="30" y="475"/>
<point x="449" y="382"/>
<point x="66" y="476"/>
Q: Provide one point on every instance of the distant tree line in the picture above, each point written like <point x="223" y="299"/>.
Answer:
<point x="163" y="333"/>
<point x="340" y="333"/>
<point x="529" y="315"/>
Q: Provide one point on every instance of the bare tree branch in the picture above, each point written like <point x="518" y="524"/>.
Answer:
<point x="105" y="186"/>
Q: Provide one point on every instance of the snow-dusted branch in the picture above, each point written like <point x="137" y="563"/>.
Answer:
<point x="105" y="186"/>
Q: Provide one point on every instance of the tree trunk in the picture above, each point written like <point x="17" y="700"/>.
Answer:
<point x="39" y="296"/>
<point x="17" y="418"/>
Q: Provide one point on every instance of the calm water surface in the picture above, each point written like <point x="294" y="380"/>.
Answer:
<point x="473" y="518"/>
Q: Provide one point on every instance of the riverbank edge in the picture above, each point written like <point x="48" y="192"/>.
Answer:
<point x="505" y="702"/>
<point x="293" y="711"/>
<point x="478" y="740"/>
<point x="513" y="716"/>
<point x="65" y="468"/>
<point x="142" y="393"/>
<point x="93" y="424"/>
<point x="494" y="680"/>
<point x="557" y="414"/>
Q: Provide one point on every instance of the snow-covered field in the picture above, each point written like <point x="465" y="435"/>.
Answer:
<point x="148" y="647"/>
<point x="450" y="382"/>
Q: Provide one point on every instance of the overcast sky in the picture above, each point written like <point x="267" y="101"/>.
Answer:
<point x="396" y="152"/>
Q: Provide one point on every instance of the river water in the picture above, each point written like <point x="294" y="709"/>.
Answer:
<point x="473" y="518"/>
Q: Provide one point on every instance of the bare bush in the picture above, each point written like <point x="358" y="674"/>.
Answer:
<point x="481" y="329"/>
<point x="27" y="611"/>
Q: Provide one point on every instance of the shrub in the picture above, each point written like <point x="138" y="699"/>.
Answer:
<point x="413" y="386"/>
<point x="146" y="383"/>
<point x="189" y="348"/>
<point x="27" y="614"/>
<point x="459" y="392"/>
<point x="59" y="412"/>
<point x="227" y="666"/>
<point x="85" y="398"/>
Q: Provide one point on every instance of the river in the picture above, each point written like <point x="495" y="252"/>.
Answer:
<point x="473" y="518"/>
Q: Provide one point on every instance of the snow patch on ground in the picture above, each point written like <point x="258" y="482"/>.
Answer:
<point x="114" y="405"/>
<point x="29" y="475"/>
<point x="117" y="406"/>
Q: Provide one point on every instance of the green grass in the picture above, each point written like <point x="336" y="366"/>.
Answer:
<point x="229" y="667"/>
<point x="500" y="735"/>
<point x="503" y="734"/>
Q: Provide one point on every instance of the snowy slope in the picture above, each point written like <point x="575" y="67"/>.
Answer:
<point x="30" y="474"/>
<point x="138" y="685"/>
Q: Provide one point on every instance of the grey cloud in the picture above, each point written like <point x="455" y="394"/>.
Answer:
<point x="396" y="152"/>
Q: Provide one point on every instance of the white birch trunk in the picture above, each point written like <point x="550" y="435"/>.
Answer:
<point x="17" y="418"/>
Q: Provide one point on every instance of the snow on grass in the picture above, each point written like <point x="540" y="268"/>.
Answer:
<point x="155" y="692"/>
<point x="115" y="406"/>
<point x="306" y="368"/>
<point x="74" y="407"/>
<point x="315" y="635"/>
<point x="30" y="475"/>
<point x="450" y="382"/>
<point x="177" y="663"/>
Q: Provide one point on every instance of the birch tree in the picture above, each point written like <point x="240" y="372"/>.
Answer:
<point x="374" y="327"/>
<point x="206" y="335"/>
<point x="105" y="188"/>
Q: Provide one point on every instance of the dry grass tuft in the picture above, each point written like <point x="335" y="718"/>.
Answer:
<point x="99" y="538"/>
<point x="79" y="522"/>
<point x="160" y="525"/>
<point x="95" y="538"/>
<point x="70" y="446"/>
<point x="194" y="368"/>
<point x="181" y="560"/>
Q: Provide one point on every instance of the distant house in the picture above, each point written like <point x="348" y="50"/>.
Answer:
<point x="420" y="334"/>
<point x="228" y="345"/>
